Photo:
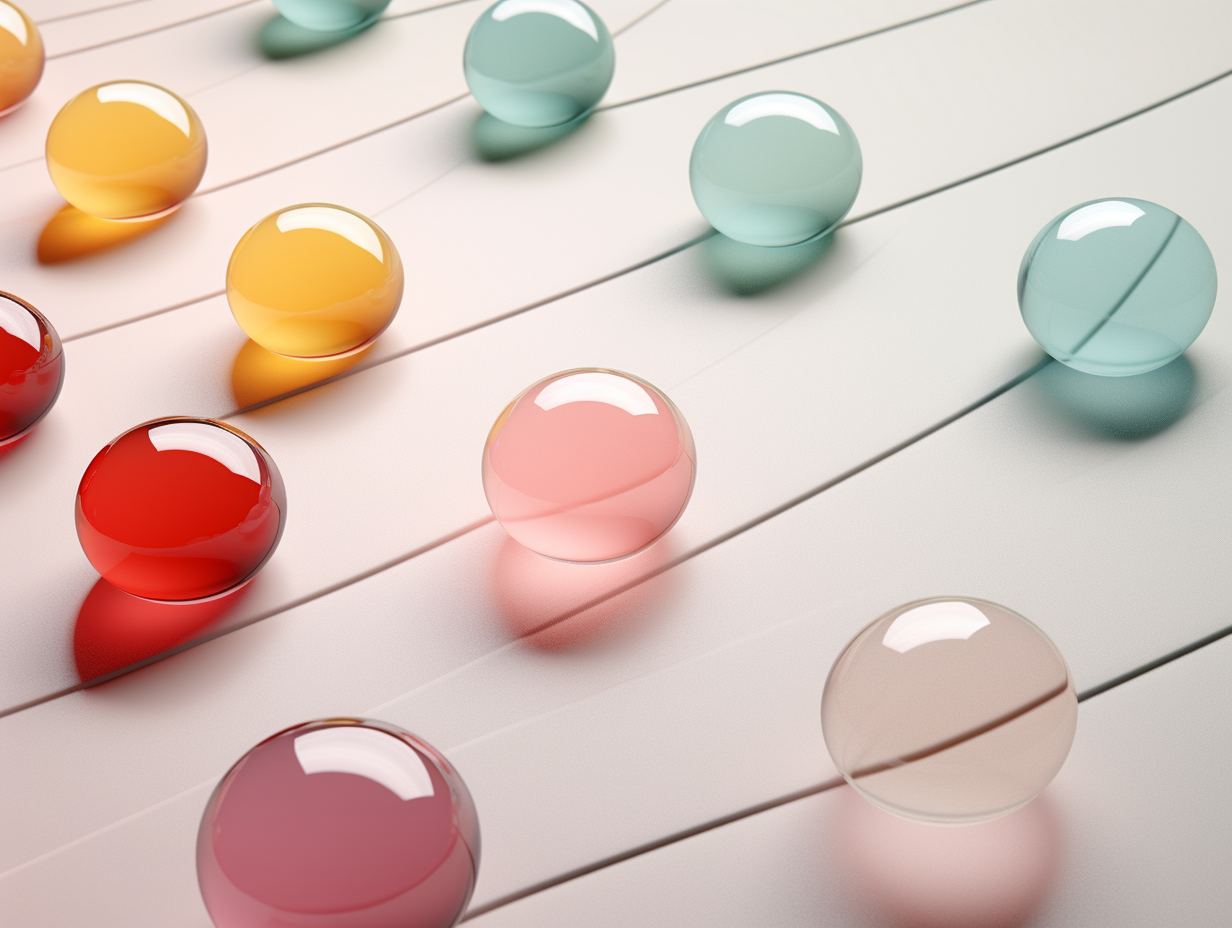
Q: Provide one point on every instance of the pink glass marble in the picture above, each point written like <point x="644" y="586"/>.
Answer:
<point x="339" y="823"/>
<point x="589" y="465"/>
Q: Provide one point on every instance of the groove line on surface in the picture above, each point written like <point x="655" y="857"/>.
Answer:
<point x="652" y="846"/>
<point x="739" y="529"/>
<point x="155" y="31"/>
<point x="98" y="9"/>
<point x="881" y="30"/>
<point x="789" y="798"/>
<point x="253" y="620"/>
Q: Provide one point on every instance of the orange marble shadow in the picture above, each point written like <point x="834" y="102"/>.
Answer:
<point x="115" y="630"/>
<point x="71" y="234"/>
<point x="258" y="376"/>
<point x="993" y="874"/>
<point x="538" y="598"/>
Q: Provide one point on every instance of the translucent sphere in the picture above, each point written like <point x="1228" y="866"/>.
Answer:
<point x="126" y="150"/>
<point x="31" y="367"/>
<point x="949" y="710"/>
<point x="340" y="823"/>
<point x="314" y="281"/>
<point x="775" y="169"/>
<point x="1116" y="287"/>
<point x="180" y="509"/>
<point x="331" y="15"/>
<point x="589" y="465"/>
<point x="539" y="62"/>
<point x="21" y="57"/>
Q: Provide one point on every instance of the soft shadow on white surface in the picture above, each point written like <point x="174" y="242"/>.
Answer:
<point x="541" y="600"/>
<point x="1122" y="408"/>
<point x="993" y="874"/>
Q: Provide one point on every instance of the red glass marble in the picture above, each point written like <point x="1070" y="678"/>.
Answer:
<point x="339" y="823"/>
<point x="180" y="509"/>
<point x="31" y="367"/>
<point x="589" y="465"/>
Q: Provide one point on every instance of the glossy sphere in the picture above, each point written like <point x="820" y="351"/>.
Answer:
<point x="775" y="169"/>
<point x="126" y="150"/>
<point x="949" y="710"/>
<point x="31" y="367"/>
<point x="1117" y="287"/>
<point x="21" y="57"/>
<point x="314" y="281"/>
<point x="331" y="15"/>
<point x="341" y="823"/>
<point x="589" y="465"/>
<point x="180" y="509"/>
<point x="539" y="62"/>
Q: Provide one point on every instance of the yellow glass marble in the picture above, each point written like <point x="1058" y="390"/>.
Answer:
<point x="21" y="57"/>
<point x="314" y="281"/>
<point x="126" y="150"/>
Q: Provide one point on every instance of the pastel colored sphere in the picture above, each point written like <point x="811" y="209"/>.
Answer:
<point x="314" y="281"/>
<point x="180" y="509"/>
<point x="775" y="169"/>
<point x="589" y="465"/>
<point x="949" y="710"/>
<point x="331" y="15"/>
<point x="21" y="57"/>
<point x="1117" y="287"/>
<point x="31" y="367"/>
<point x="539" y="62"/>
<point x="340" y="823"/>
<point x="126" y="150"/>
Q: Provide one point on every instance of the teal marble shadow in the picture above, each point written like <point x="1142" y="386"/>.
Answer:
<point x="747" y="270"/>
<point x="280" y="39"/>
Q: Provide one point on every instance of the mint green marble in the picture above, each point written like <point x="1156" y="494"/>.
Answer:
<point x="331" y="15"/>
<point x="1117" y="286"/>
<point x="775" y="169"/>
<point x="539" y="63"/>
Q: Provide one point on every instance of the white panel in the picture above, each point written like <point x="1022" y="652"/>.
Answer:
<point x="730" y="650"/>
<point x="615" y="193"/>
<point x="864" y="378"/>
<point x="1141" y="807"/>
<point x="115" y="23"/>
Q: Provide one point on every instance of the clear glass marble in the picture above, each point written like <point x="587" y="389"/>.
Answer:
<point x="775" y="169"/>
<point x="1117" y="287"/>
<point x="589" y="465"/>
<point x="539" y="62"/>
<point x="339" y="823"/>
<point x="949" y="710"/>
<point x="331" y="15"/>
<point x="21" y="57"/>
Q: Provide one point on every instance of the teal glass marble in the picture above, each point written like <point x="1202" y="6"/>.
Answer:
<point x="331" y="15"/>
<point x="775" y="169"/>
<point x="1116" y="287"/>
<point x="539" y="63"/>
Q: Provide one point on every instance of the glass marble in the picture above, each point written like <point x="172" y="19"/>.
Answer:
<point x="1117" y="287"/>
<point x="21" y="57"/>
<point x="180" y="509"/>
<point x="539" y="62"/>
<point x="589" y="465"/>
<point x="775" y="169"/>
<point x="949" y="710"/>
<point x="331" y="15"/>
<point x="314" y="281"/>
<point x="31" y="367"/>
<point x="339" y="823"/>
<point x="126" y="150"/>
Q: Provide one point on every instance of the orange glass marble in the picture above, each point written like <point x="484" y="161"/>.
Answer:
<point x="21" y="57"/>
<point x="589" y="465"/>
<point x="314" y="281"/>
<point x="126" y="150"/>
